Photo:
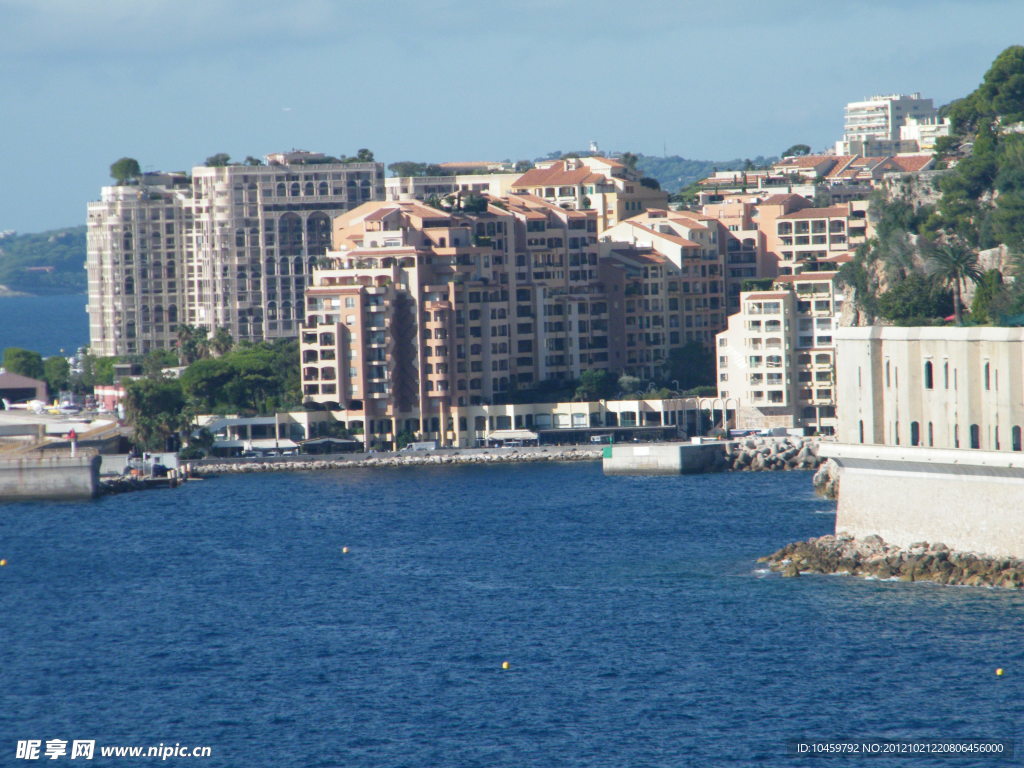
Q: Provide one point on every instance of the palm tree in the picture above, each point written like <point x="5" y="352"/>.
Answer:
<point x="192" y="343"/>
<point x="222" y="342"/>
<point x="952" y="263"/>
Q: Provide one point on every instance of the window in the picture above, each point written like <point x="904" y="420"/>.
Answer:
<point x="928" y="381"/>
<point x="915" y="433"/>
<point x="975" y="436"/>
<point x="985" y="376"/>
<point x="1015" y="438"/>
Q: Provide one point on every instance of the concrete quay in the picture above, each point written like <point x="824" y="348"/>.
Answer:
<point x="751" y="454"/>
<point x="29" y="477"/>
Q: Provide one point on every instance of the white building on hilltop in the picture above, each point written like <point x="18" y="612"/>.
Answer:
<point x="872" y="126"/>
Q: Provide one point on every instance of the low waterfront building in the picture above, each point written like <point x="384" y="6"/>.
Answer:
<point x="930" y="447"/>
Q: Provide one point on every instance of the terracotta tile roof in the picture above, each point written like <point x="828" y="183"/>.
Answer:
<point x="556" y="176"/>
<point x="382" y="213"/>
<point x="911" y="163"/>
<point x="805" y="161"/>
<point x="780" y="199"/>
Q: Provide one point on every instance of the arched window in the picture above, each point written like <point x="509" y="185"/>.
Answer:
<point x="272" y="310"/>
<point x="283" y="267"/>
<point x="323" y="188"/>
<point x="975" y="436"/>
<point x="172" y="313"/>
<point x="1015" y="439"/>
<point x="945" y="375"/>
<point x="986" y="376"/>
<point x="309" y="189"/>
<point x="318" y="233"/>
<point x="170" y="269"/>
<point x="281" y="190"/>
<point x="158" y="314"/>
<point x="928" y="380"/>
<point x="887" y="380"/>
<point x="289" y="230"/>
<point x="915" y="433"/>
<point x="931" y="435"/>
<point x="294" y="189"/>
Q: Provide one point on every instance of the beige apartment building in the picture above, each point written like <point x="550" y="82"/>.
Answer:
<point x="227" y="247"/>
<point x="690" y="243"/>
<point x="599" y="184"/>
<point x="777" y="357"/>
<point x="810" y="239"/>
<point x="423" y="188"/>
<point x="421" y="310"/>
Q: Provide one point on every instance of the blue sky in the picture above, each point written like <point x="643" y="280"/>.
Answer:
<point x="171" y="82"/>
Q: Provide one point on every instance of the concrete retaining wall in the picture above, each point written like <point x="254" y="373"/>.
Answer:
<point x="49" y="477"/>
<point x="662" y="458"/>
<point x="971" y="501"/>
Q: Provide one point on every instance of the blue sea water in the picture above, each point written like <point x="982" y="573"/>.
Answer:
<point x="44" y="324"/>
<point x="638" y="627"/>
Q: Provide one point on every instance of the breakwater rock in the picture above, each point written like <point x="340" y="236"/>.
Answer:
<point x="754" y="454"/>
<point x="871" y="557"/>
<point x="399" y="460"/>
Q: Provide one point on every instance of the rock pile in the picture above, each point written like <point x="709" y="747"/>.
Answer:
<point x="754" y="454"/>
<point x="396" y="460"/>
<point x="871" y="557"/>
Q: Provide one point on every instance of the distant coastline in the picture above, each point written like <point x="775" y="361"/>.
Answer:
<point x="6" y="292"/>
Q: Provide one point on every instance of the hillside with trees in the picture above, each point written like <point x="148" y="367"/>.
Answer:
<point x="961" y="233"/>
<point x="50" y="262"/>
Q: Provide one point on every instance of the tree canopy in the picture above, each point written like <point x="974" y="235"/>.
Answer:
<point x="125" y="169"/>
<point x="24" y="362"/>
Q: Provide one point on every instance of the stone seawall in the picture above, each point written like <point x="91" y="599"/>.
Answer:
<point x="872" y="557"/>
<point x="399" y="460"/>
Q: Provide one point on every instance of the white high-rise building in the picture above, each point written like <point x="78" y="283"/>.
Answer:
<point x="227" y="247"/>
<point x="872" y="126"/>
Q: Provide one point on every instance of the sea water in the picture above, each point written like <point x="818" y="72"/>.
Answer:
<point x="638" y="628"/>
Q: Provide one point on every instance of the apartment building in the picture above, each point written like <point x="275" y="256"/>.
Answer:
<point x="810" y="239"/>
<point x="872" y="126"/>
<point x="226" y="247"/>
<point x="690" y="243"/>
<point x="420" y="310"/>
<point x="599" y="184"/>
<point x="777" y="356"/>
<point x="424" y="188"/>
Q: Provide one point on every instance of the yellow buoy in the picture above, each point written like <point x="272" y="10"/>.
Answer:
<point x="999" y="672"/>
<point x="3" y="563"/>
<point x="344" y="550"/>
<point x="505" y="665"/>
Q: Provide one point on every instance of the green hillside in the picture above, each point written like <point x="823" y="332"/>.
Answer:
<point x="44" y="262"/>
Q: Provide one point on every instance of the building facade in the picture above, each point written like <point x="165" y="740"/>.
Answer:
<point x="605" y="186"/>
<point x="777" y="357"/>
<point x="227" y="247"/>
<point x="932" y="387"/>
<point x="872" y="126"/>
